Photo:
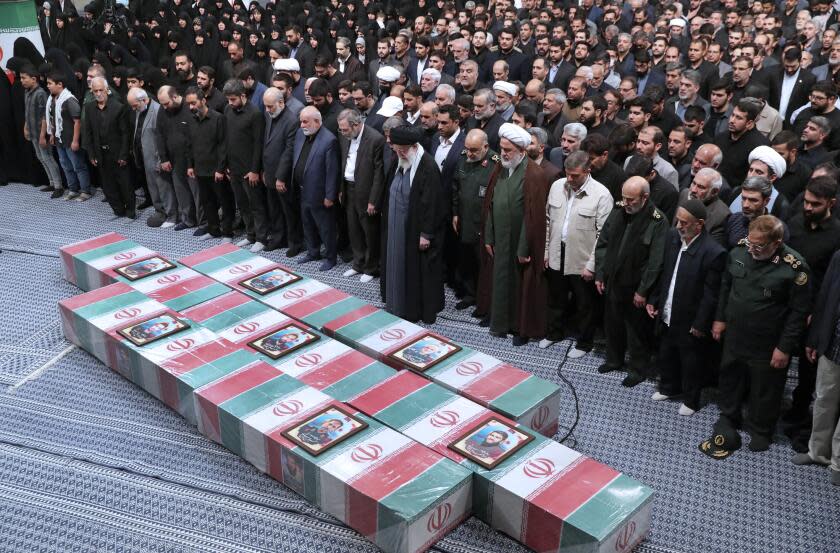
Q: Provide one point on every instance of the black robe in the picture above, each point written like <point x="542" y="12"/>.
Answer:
<point x="424" y="270"/>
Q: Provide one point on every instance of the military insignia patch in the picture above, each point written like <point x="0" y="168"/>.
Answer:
<point x="656" y="214"/>
<point x="464" y="152"/>
<point x="801" y="279"/>
<point x="742" y="242"/>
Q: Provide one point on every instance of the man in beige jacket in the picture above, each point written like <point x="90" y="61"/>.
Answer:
<point x="577" y="208"/>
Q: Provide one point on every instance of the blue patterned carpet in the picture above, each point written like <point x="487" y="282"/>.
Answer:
<point x="90" y="463"/>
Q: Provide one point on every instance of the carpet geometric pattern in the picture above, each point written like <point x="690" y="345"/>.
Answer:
<point x="89" y="462"/>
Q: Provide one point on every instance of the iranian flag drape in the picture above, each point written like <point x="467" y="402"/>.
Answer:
<point x="17" y="20"/>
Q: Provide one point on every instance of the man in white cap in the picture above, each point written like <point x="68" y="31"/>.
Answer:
<point x="768" y="163"/>
<point x="506" y="94"/>
<point x="390" y="107"/>
<point x="515" y="239"/>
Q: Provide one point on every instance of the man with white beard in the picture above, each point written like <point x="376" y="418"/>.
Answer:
<point x="413" y="220"/>
<point x="515" y="239"/>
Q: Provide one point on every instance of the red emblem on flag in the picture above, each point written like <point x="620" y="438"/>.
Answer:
<point x="539" y="468"/>
<point x="127" y="313"/>
<point x="308" y="360"/>
<point x="438" y="518"/>
<point x="442" y="419"/>
<point x="246" y="328"/>
<point x="180" y="345"/>
<point x="286" y="408"/>
<point x="294" y="294"/>
<point x="392" y="334"/>
<point x="366" y="453"/>
<point x="169" y="279"/>
<point x="624" y="541"/>
<point x="239" y="269"/>
<point x="125" y="256"/>
<point x="540" y="417"/>
<point x="469" y="368"/>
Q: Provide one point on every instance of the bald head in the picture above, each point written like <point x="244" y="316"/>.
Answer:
<point x="707" y="155"/>
<point x="634" y="193"/>
<point x="476" y="145"/>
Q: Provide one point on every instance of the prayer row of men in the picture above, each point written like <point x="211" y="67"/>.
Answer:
<point x="672" y="185"/>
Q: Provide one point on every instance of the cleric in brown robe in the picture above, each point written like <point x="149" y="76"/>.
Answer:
<point x="515" y="238"/>
<point x="413" y="223"/>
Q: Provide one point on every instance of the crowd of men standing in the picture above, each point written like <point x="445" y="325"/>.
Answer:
<point x="665" y="172"/>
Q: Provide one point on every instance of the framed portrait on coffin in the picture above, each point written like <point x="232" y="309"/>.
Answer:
<point x="490" y="442"/>
<point x="425" y="352"/>
<point x="323" y="430"/>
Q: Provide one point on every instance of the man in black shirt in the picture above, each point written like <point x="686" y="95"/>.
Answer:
<point x="245" y="125"/>
<point x="793" y="182"/>
<point x="206" y="80"/>
<point x="604" y="170"/>
<point x="739" y="140"/>
<point x="174" y="145"/>
<point x="206" y="164"/>
<point x="814" y="234"/>
<point x="106" y="128"/>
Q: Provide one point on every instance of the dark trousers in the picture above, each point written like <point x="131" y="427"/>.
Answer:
<point x="276" y="218"/>
<point x="290" y="203"/>
<point x="756" y="383"/>
<point x="251" y="203"/>
<point x="628" y="329"/>
<point x="583" y="300"/>
<point x="319" y="228"/>
<point x="804" y="391"/>
<point x="682" y="365"/>
<point x="116" y="184"/>
<point x="364" y="234"/>
<point x="215" y="195"/>
<point x="467" y="269"/>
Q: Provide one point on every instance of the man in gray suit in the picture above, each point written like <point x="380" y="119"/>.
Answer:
<point x="143" y="138"/>
<point x="280" y="127"/>
<point x="362" y="185"/>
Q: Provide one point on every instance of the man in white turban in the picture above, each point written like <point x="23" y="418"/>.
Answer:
<point x="505" y="94"/>
<point x="515" y="238"/>
<point x="768" y="163"/>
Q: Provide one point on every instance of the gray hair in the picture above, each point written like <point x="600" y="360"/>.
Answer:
<point x="448" y="90"/>
<point x="433" y="73"/>
<point x="821" y="122"/>
<point x="539" y="132"/>
<point x="628" y="36"/>
<point x="470" y="62"/>
<point x="233" y="87"/>
<point x="487" y="94"/>
<point x="693" y="76"/>
<point x="461" y="42"/>
<point x="351" y="115"/>
<point x="577" y="160"/>
<point x="138" y="94"/>
<point x="274" y="94"/>
<point x="559" y="95"/>
<point x="708" y="172"/>
<point x="392" y="123"/>
<point x="343" y="40"/>
<point x="674" y="66"/>
<point x="313" y="112"/>
<point x="758" y="184"/>
<point x="576" y="130"/>
<point x="505" y="64"/>
<point x="586" y="72"/>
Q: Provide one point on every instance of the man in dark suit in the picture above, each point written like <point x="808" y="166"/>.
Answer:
<point x="560" y="71"/>
<point x="346" y="63"/>
<point x="685" y="300"/>
<point x="362" y="186"/>
<point x="315" y="171"/>
<point x="420" y="61"/>
<point x="447" y="145"/>
<point x="301" y="51"/>
<point x="280" y="128"/>
<point x="790" y="85"/>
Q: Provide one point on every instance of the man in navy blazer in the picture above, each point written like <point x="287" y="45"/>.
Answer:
<point x="280" y="128"/>
<point x="685" y="300"/>
<point x="447" y="145"/>
<point x="315" y="172"/>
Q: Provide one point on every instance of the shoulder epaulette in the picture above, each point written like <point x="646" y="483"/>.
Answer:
<point x="496" y="158"/>
<point x="656" y="214"/>
<point x="791" y="260"/>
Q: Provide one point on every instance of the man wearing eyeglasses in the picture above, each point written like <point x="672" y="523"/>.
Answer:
<point x="764" y="302"/>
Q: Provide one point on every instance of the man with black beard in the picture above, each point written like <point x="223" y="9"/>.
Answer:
<point x="173" y="148"/>
<point x="815" y="234"/>
<point x="300" y="51"/>
<point x="206" y="81"/>
<point x="184" y="76"/>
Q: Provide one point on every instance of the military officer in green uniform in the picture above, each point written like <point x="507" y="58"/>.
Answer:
<point x="628" y="260"/>
<point x="761" y="315"/>
<point x="477" y="169"/>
